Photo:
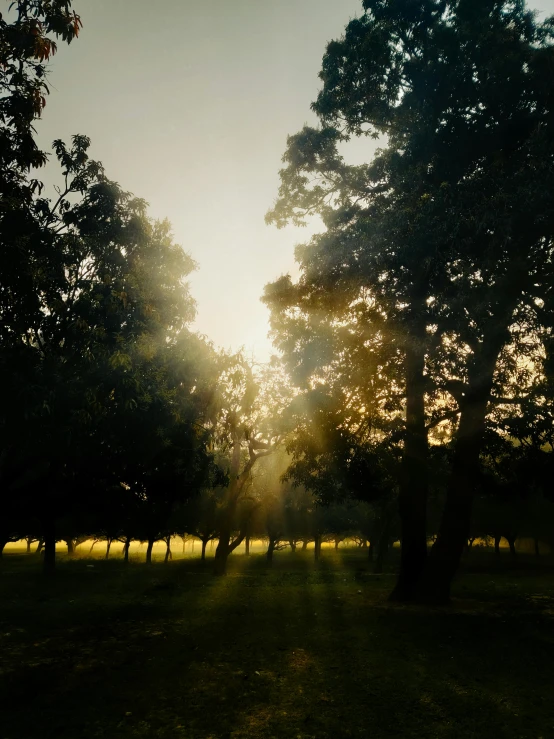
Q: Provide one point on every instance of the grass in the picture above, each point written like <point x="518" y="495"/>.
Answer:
<point x="297" y="651"/>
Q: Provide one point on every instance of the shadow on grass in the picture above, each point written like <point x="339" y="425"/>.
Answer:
<point x="295" y="650"/>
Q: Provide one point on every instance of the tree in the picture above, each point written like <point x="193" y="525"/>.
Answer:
<point x="248" y="426"/>
<point x="458" y="90"/>
<point x="104" y="383"/>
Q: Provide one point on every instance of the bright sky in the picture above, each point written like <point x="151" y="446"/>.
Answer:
<point x="188" y="104"/>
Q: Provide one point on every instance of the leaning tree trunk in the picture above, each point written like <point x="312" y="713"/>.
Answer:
<point x="108" y="547"/>
<point x="40" y="545"/>
<point x="224" y="548"/>
<point x="49" y="563"/>
<point x="168" y="554"/>
<point x="412" y="498"/>
<point x="149" y="551"/>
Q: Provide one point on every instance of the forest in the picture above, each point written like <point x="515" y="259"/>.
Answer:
<point x="399" y="439"/>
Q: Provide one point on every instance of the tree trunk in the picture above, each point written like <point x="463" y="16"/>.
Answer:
<point x="221" y="555"/>
<point x="168" y="554"/>
<point x="224" y="548"/>
<point x="470" y="542"/>
<point x="49" y="563"/>
<point x="126" y="546"/>
<point x="304" y="544"/>
<point x="512" y="544"/>
<point x="28" y="540"/>
<point x="412" y="499"/>
<point x="497" y="544"/>
<point x="317" y="547"/>
<point x="455" y="524"/>
<point x="149" y="551"/>
<point x="108" y="547"/>
<point x="40" y="545"/>
<point x="70" y="547"/>
<point x="292" y="546"/>
<point x="270" y="550"/>
<point x="3" y="541"/>
<point x="247" y="546"/>
<point x="203" y="555"/>
<point x="337" y="542"/>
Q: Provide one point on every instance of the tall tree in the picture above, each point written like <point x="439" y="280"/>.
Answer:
<point x="104" y="369"/>
<point x="433" y="228"/>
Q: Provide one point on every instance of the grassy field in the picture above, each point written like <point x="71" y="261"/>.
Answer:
<point x="297" y="651"/>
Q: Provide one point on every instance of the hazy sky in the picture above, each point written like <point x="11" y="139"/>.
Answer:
<point x="188" y="104"/>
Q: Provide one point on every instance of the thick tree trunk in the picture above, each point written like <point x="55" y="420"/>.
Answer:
<point x="292" y="546"/>
<point x="304" y="544"/>
<point x="221" y="555"/>
<point x="454" y="529"/>
<point x="412" y="499"/>
<point x="126" y="546"/>
<point x="270" y="550"/>
<point x="224" y="548"/>
<point x="49" y="563"/>
<point x="70" y="547"/>
<point x="40" y="545"/>
<point x="247" y="546"/>
<point x="382" y="551"/>
<point x="455" y="525"/>
<point x="203" y="555"/>
<point x="149" y="551"/>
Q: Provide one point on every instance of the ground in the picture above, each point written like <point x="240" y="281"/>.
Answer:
<point x="295" y="651"/>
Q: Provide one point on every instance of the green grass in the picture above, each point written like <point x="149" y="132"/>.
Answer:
<point x="295" y="651"/>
